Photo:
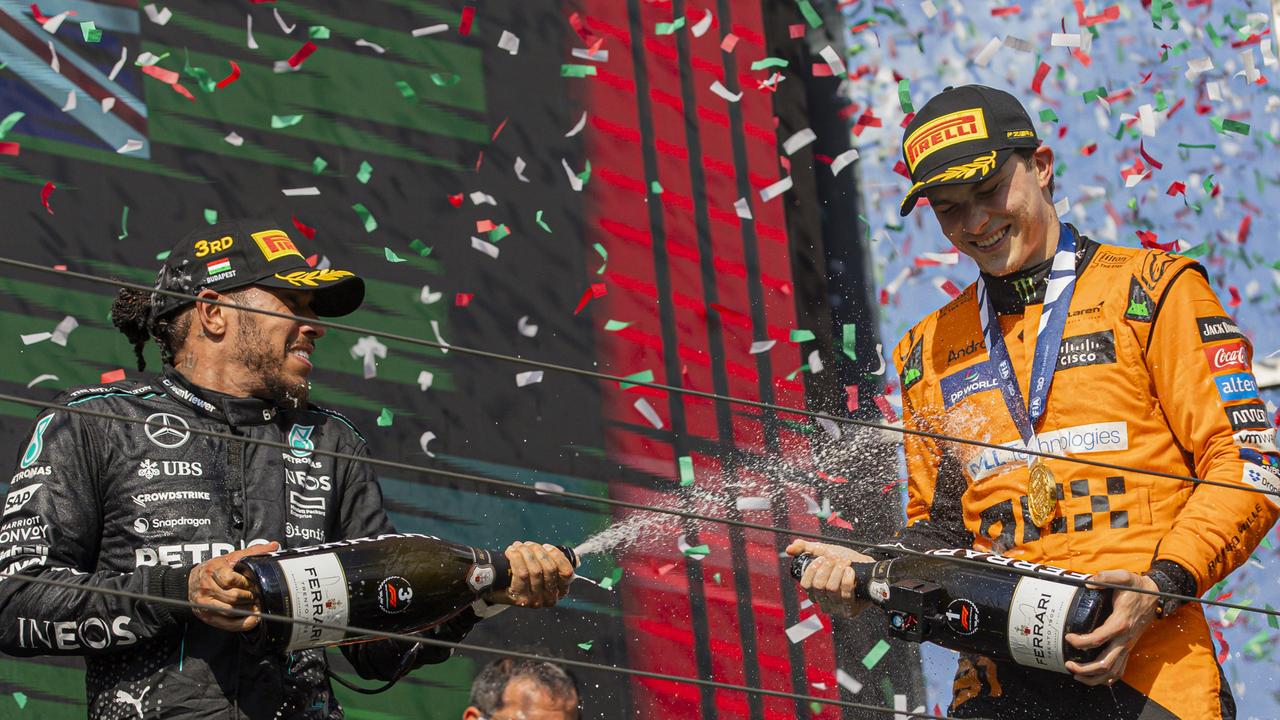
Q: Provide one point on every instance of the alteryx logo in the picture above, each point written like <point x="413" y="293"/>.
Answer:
<point x="1236" y="386"/>
<point x="36" y="446"/>
<point x="300" y="442"/>
<point x="960" y="385"/>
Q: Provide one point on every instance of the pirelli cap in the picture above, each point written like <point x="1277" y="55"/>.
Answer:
<point x="963" y="135"/>
<point x="236" y="253"/>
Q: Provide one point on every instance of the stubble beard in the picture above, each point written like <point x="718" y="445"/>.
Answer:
<point x="255" y="355"/>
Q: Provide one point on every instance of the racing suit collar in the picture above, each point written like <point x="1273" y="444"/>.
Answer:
<point x="235" y="411"/>
<point x="1012" y="293"/>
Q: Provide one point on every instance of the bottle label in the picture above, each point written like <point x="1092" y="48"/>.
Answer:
<point x="480" y="577"/>
<point x="394" y="595"/>
<point x="317" y="587"/>
<point x="1037" y="619"/>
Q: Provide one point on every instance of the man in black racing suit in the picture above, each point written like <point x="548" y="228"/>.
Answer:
<point x="155" y="509"/>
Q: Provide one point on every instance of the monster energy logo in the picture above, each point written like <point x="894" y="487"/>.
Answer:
<point x="1026" y="288"/>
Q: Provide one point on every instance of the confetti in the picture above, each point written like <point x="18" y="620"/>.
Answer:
<point x="643" y="407"/>
<point x="297" y="58"/>
<point x="833" y="60"/>
<point x="803" y="629"/>
<point x="685" y="463"/>
<point x="284" y="27"/>
<point x="21" y="697"/>
<point x="723" y="92"/>
<point x="984" y="58"/>
<point x="616" y="325"/>
<point x="372" y="46"/>
<point x="799" y="140"/>
<point x="425" y="440"/>
<point x="435" y="329"/>
<point x="365" y="172"/>
<point x="41" y="378"/>
<point x="843" y="160"/>
<point x="769" y="62"/>
<point x="430" y="30"/>
<point x="701" y="27"/>
<point x="48" y="189"/>
<point x="420" y="247"/>
<point x="525" y="327"/>
<point x="775" y="189"/>
<point x="509" y="42"/>
<point x="630" y="381"/>
<point x="577" y="71"/>
<point x="742" y="208"/>
<point x="91" y="32"/>
<point x="529" y="378"/>
<point x="729" y="42"/>
<point x="762" y="346"/>
<point x="586" y="645"/>
<point x="366" y="217"/>
<point x="577" y="128"/>
<point x="544" y="488"/>
<point x="464" y="24"/>
<point x="301" y="191"/>
<point x="664" y="28"/>
<point x="800" y="335"/>
<point x="283" y="121"/>
<point x="425" y="379"/>
<point x="391" y="256"/>
<point x="754" y="503"/>
<point x="875" y="655"/>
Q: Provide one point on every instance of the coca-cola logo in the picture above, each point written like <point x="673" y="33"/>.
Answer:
<point x="394" y="595"/>
<point x="1227" y="357"/>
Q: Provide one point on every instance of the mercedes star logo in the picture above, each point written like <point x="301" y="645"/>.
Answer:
<point x="168" y="431"/>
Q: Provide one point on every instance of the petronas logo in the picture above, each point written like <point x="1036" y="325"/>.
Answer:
<point x="36" y="446"/>
<point x="300" y="440"/>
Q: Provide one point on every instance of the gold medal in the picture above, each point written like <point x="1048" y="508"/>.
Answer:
<point x="1041" y="493"/>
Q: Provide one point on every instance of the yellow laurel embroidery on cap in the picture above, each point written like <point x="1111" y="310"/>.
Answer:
<point x="310" y="278"/>
<point x="984" y="164"/>
<point x="950" y="129"/>
<point x="275" y="244"/>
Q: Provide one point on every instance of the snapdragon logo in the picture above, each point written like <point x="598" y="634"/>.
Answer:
<point x="1078" y="440"/>
<point x="960" y="385"/>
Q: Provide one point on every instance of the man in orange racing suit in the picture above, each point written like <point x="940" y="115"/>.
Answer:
<point x="1149" y="372"/>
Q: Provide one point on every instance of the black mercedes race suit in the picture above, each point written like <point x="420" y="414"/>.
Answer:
<point x="111" y="504"/>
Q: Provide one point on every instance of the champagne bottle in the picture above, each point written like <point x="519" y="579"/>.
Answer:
<point x="399" y="583"/>
<point x="984" y="609"/>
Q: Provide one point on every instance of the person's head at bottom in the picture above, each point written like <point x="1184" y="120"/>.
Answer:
<point x="513" y="689"/>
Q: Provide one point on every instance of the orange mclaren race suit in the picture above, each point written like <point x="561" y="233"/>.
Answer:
<point x="1151" y="374"/>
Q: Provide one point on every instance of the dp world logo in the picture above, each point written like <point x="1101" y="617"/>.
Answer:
<point x="300" y="442"/>
<point x="167" y="430"/>
<point x="148" y="469"/>
<point x="36" y="446"/>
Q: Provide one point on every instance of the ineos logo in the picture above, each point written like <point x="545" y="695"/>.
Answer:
<point x="163" y="430"/>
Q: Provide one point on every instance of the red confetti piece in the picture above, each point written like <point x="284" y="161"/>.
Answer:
<point x="484" y="226"/>
<point x="729" y="43"/>
<point x="862" y="70"/>
<point x="822" y="70"/>
<point x="39" y="16"/>
<point x="1089" y="149"/>
<point x="60" y="267"/>
<point x="596" y="290"/>
<point x="860" y="27"/>
<point x="1037" y="82"/>
<point x="884" y="297"/>
<point x="1242" y="232"/>
<point x="44" y="195"/>
<point x="468" y="15"/>
<point x="1225" y="652"/>
<point x="302" y="54"/>
<point x="1145" y="78"/>
<point x="303" y="228"/>
<point x="9" y="148"/>
<point x="1082" y="56"/>
<point x="1003" y="11"/>
<point x="1150" y="160"/>
<point x="886" y="409"/>
<point x="456" y="200"/>
<point x="901" y="169"/>
<point x="1235" y="296"/>
<point x="498" y="132"/>
<point x="824" y="159"/>
<point x="785" y="289"/>
<point x="111" y="376"/>
<point x="666" y="569"/>
<point x="796" y="31"/>
<point x="906" y="119"/>
<point x="1117" y="97"/>
<point x="950" y="289"/>
<point x="1149" y="241"/>
<point x="833" y="478"/>
<point x="463" y="299"/>
<point x="851" y="397"/>
<point x="1109" y="15"/>
<point x="479" y="160"/>
<point x="837" y="521"/>
<point x="168" y="77"/>
<point x="312" y="260"/>
<point x="1176" y="188"/>
<point x="235" y="75"/>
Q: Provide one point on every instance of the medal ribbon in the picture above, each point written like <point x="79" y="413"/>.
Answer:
<point x="1053" y="320"/>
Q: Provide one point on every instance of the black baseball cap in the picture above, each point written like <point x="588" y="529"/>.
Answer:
<point x="236" y="253"/>
<point x="963" y="135"/>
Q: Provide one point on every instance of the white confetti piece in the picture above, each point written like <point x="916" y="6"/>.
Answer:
<point x="900" y="703"/>
<point x="810" y="505"/>
<point x="942" y="258"/>
<point x="41" y="378"/>
<point x="435" y="328"/>
<point x="701" y="27"/>
<point x="831" y="427"/>
<point x="107" y="104"/>
<point x="644" y="408"/>
<point x="361" y="42"/>
<point x="815" y="363"/>
<point x="803" y="629"/>
<point x="1147" y="120"/>
<point x="848" y="682"/>
<point x="34" y="338"/>
<point x="1250" y="72"/>
<point x="509" y="42"/>
<point x="775" y="189"/>
<point x="53" y="58"/>
<point x="428" y="297"/>
<point x="525" y="327"/>
<point x="1063" y="206"/>
<point x="800" y="139"/>
<point x="575" y="182"/>
<point x="234" y="139"/>
<point x="762" y="346"/>
<point x="1065" y="40"/>
<point x="723" y="92"/>
<point x="984" y="58"/>
<point x="285" y="28"/>
<point x="425" y="440"/>
<point x="843" y="160"/>
<point x="70" y="104"/>
<point x="548" y="488"/>
<point x="577" y="128"/>
<point x="487" y="248"/>
<point x="130" y="145"/>
<point x="833" y="60"/>
<point x="425" y="379"/>
<point x="1214" y="90"/>
<point x="1017" y="43"/>
<point x="601" y="56"/>
<point x="929" y="9"/>
<point x="370" y="350"/>
<point x="283" y="66"/>
<point x="528" y="378"/>
<point x="248" y="33"/>
<point x="300" y="191"/>
<point x="519" y="167"/>
<point x="146" y="58"/>
<point x="52" y="24"/>
<point x="430" y="30"/>
<point x="479" y="198"/>
<point x="160" y="16"/>
<point x="1198" y="66"/>
<point x="754" y="502"/>
<point x="115" y="69"/>
<point x="879" y="356"/>
<point x="685" y="547"/>
<point x="742" y="208"/>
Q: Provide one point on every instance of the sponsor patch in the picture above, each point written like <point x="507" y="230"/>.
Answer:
<point x="1236" y="386"/>
<point x="36" y="471"/>
<point x="1263" y="440"/>
<point x="170" y="496"/>
<point x="275" y="244"/>
<point x="20" y="497"/>
<point x="36" y="446"/>
<point x="975" y="379"/>
<point x="1218" y="327"/>
<point x="212" y="247"/>
<point x="950" y="129"/>
<point x="1260" y="478"/>
<point x="300" y="442"/>
<point x="302" y="506"/>
<point x="394" y="595"/>
<point x="167" y="430"/>
<point x="1231" y="356"/>
<point x="1250" y="416"/>
<point x="1078" y="440"/>
<point x="1140" y="307"/>
<point x="1154" y="268"/>
<point x="1093" y="349"/>
<point x="913" y="369"/>
<point x="480" y="577"/>
<point x="962" y="616"/>
<point x="960" y="353"/>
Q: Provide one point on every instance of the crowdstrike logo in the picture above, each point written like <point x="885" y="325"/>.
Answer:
<point x="173" y="495"/>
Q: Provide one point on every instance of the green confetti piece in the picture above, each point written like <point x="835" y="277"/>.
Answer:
<point x="816" y="707"/>
<point x="586" y="645"/>
<point x="1161" y="103"/>
<point x="391" y="256"/>
<point x="628" y="382"/>
<point x="811" y="16"/>
<point x="1226" y="125"/>
<point x="1094" y="94"/>
<point x="124" y="224"/>
<point x="537" y="217"/>
<point x="904" y="96"/>
<point x="385" y="418"/>
<point x="1229" y="617"/>
<point x="365" y="172"/>
<point x="1257" y="643"/>
<point x="446" y="79"/>
<point x="1196" y="251"/>
<point x="604" y="255"/>
<point x="1133" y="203"/>
<point x="670" y="28"/>
<point x="1181" y="47"/>
<point x="163" y="255"/>
<point x="686" y="470"/>
<point x="875" y="655"/>
<point x="800" y="335"/>
<point x="698" y="552"/>
<point x="9" y="121"/>
<point x="1204" y="146"/>
<point x="769" y="62"/>
<point x="616" y="325"/>
<point x="21" y="699"/>
<point x="792" y="375"/>
<point x="612" y="579"/>
<point x="284" y="121"/>
<point x="850" y="345"/>
<point x="1273" y="620"/>
<point x="585" y="175"/>
<point x="199" y="74"/>
<point x="577" y="71"/>
<point x="1213" y="35"/>
<point x="420" y="247"/>
<point x="498" y="233"/>
<point x="1208" y="184"/>
<point x="798" y="427"/>
<point x="366" y="217"/>
<point x="1048" y="115"/>
<point x="318" y="165"/>
<point x="90" y="31"/>
<point x="318" y="32"/>
<point x="655" y="187"/>
<point x="210" y="215"/>
<point x="892" y="14"/>
<point x="716" y="577"/>
<point x="406" y="90"/>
